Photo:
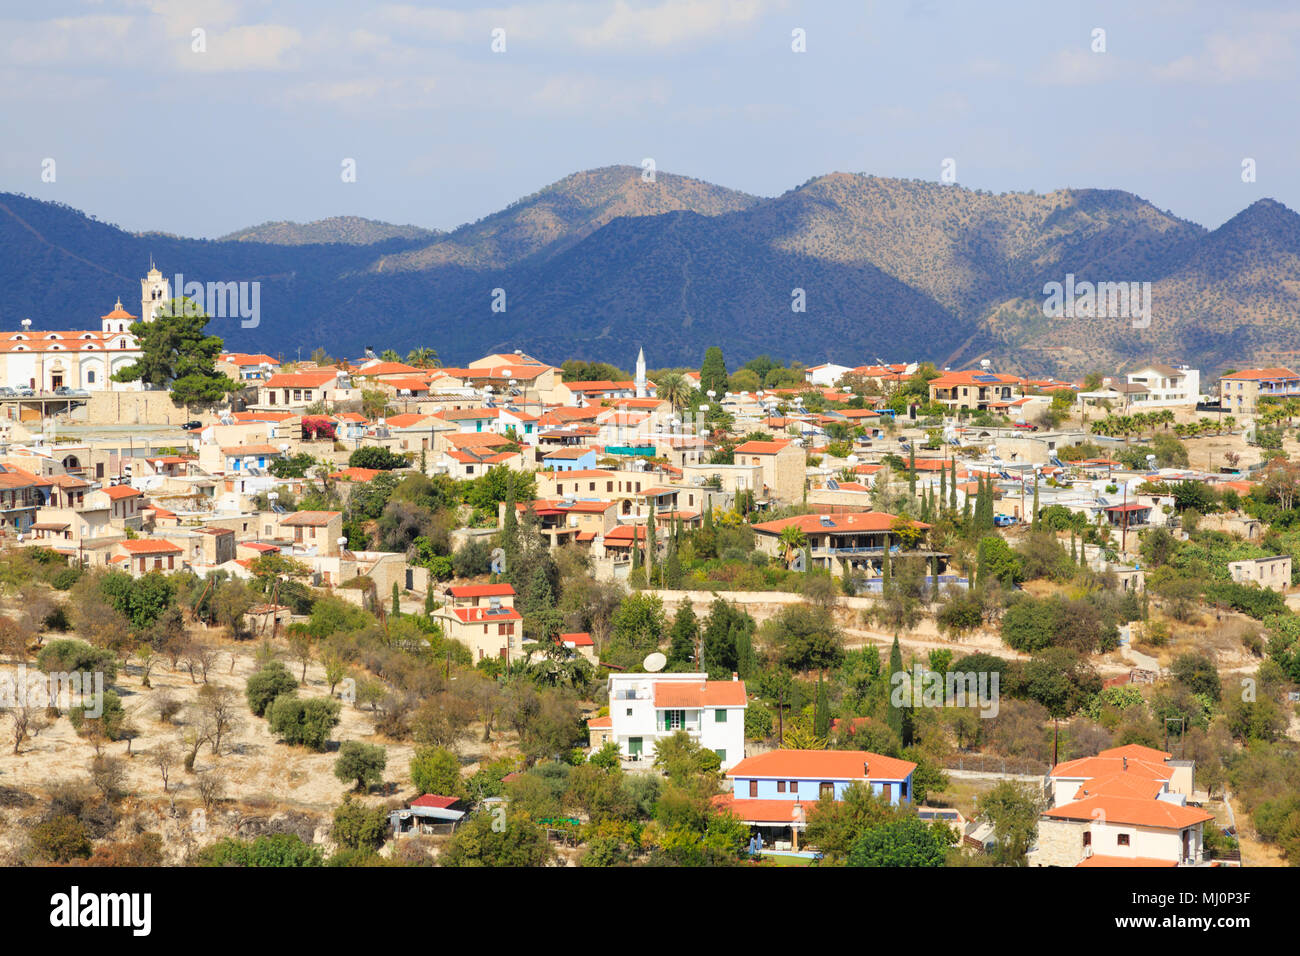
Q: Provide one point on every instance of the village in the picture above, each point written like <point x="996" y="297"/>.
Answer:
<point x="516" y="613"/>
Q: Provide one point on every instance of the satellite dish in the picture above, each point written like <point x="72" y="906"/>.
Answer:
<point x="655" y="662"/>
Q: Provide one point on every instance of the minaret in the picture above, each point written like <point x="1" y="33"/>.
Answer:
<point x="155" y="292"/>
<point x="640" y="374"/>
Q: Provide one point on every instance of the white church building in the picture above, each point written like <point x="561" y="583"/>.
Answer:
<point x="81" y="359"/>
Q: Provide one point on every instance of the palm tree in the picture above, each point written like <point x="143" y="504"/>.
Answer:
<point x="422" y="357"/>
<point x="793" y="538"/>
<point x="674" y="388"/>
<point x="389" y="355"/>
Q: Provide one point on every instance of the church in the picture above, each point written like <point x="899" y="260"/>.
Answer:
<point x="81" y="359"/>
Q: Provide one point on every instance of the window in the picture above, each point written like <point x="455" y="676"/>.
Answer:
<point x="1122" y="839"/>
<point x="720" y="716"/>
<point x="780" y="786"/>
<point x="826" y="789"/>
<point x="794" y="786"/>
<point x="1087" y="838"/>
<point x="753" y="788"/>
<point x="629" y="711"/>
<point x="887" y="791"/>
<point x="674" y="719"/>
<point x="722" y="755"/>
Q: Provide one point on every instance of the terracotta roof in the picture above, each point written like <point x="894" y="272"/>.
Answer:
<point x="480" y="590"/>
<point x="1137" y="752"/>
<point x="600" y="723"/>
<point x="1100" y="860"/>
<point x="697" y="694"/>
<point x="1131" y="811"/>
<point x="475" y="615"/>
<point x="844" y="522"/>
<point x="118" y="492"/>
<point x="1085" y="768"/>
<point x="150" y="546"/>
<point x="356" y="474"/>
<point x="823" y="765"/>
<point x="301" y="379"/>
<point x="569" y="452"/>
<point x="309" y="519"/>
<point x="434" y="801"/>
<point x="1120" y="785"/>
<point x="388" y="368"/>
<point x="760" y="447"/>
<point x="578" y="638"/>
<point x="406" y="420"/>
<point x="781" y="812"/>
<point x="1260" y="374"/>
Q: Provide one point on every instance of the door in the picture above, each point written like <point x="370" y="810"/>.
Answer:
<point x="634" y="747"/>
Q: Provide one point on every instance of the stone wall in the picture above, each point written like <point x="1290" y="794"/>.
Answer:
<point x="1060" y="843"/>
<point x="133" y="408"/>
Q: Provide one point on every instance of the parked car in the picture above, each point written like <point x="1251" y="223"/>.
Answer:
<point x="1004" y="521"/>
<point x="192" y="425"/>
<point x="6" y="390"/>
<point x="26" y="391"/>
<point x="1025" y="425"/>
<point x="63" y="390"/>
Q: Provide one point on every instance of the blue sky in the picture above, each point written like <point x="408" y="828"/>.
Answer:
<point x="149" y="134"/>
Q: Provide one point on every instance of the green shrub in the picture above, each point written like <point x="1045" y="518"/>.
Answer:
<point x="304" y="723"/>
<point x="272" y="681"/>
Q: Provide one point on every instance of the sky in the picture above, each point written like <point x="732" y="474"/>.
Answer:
<point x="200" y="117"/>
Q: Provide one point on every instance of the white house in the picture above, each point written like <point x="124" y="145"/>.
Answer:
<point x="644" y="708"/>
<point x="1166" y="385"/>
<point x="826" y="375"/>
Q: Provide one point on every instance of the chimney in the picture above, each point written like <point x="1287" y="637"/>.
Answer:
<point x="735" y="676"/>
<point x="866" y="769"/>
<point x="1126" y="763"/>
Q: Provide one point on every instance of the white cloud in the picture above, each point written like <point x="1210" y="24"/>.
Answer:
<point x="1232" y="59"/>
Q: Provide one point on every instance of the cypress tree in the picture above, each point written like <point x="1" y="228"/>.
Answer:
<point x="650" y="543"/>
<point x="899" y="718"/>
<point x="428" y="601"/>
<point x="397" y="600"/>
<point x="943" y="489"/>
<point x="1034" y="525"/>
<point x="821" y="711"/>
<point x="685" y="631"/>
<point x="911" y="471"/>
<point x="886" y="564"/>
<point x="952" y="488"/>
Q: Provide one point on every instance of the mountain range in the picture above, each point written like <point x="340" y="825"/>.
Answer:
<point x="605" y="261"/>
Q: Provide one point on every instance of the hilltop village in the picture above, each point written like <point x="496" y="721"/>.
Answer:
<point x="378" y="610"/>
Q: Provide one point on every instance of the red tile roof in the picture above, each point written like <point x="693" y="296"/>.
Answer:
<point x="760" y="447"/>
<point x="1100" y="860"/>
<point x="1131" y="811"/>
<point x="843" y="522"/>
<point x="823" y="765"/>
<point x="480" y="590"/>
<point x="150" y="546"/>
<point x="697" y="694"/>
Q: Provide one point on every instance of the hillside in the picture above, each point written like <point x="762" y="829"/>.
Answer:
<point x="350" y="230"/>
<point x="602" y="262"/>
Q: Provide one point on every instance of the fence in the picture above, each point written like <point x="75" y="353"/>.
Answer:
<point x="994" y="763"/>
